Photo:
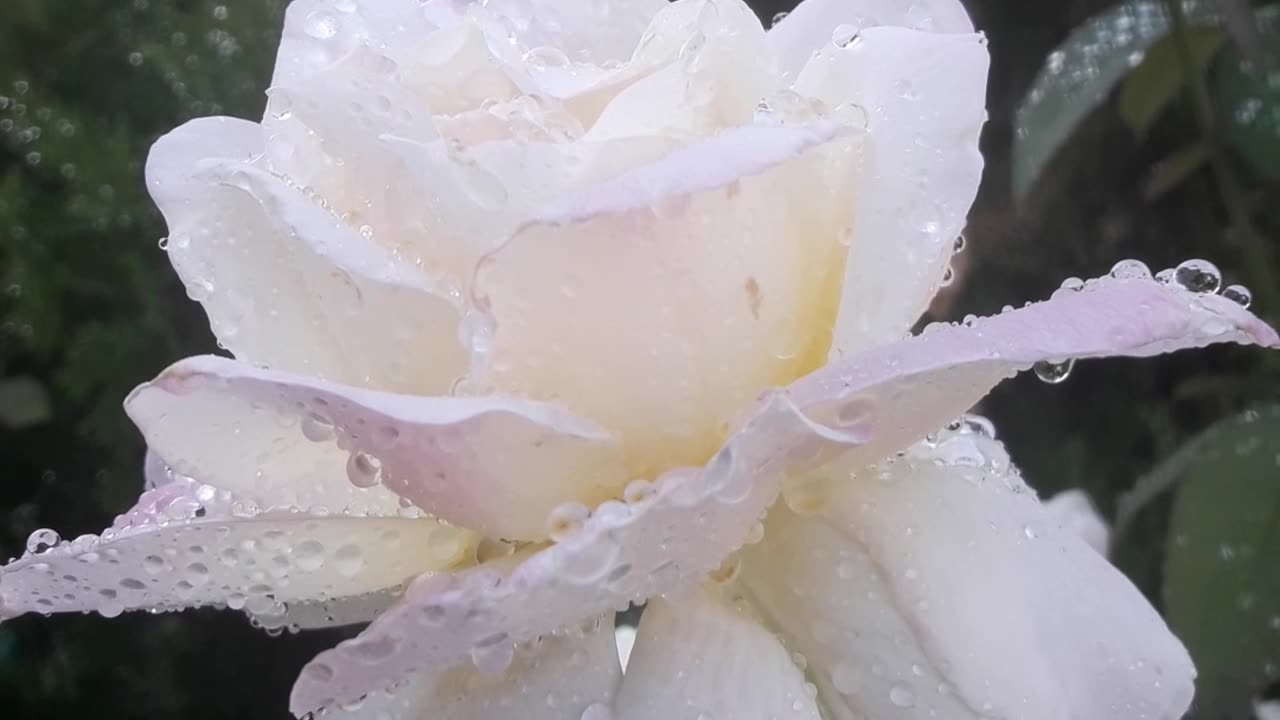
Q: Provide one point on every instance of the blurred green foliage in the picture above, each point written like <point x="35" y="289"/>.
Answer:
<point x="89" y="308"/>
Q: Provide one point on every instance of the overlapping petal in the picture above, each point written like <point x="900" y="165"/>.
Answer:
<point x="861" y="410"/>
<point x="187" y="544"/>
<point x="937" y="585"/>
<point x="568" y="675"/>
<point x="284" y="282"/>
<point x="700" y="657"/>
<point x="494" y="465"/>
<point x="661" y="302"/>
<point x="924" y="95"/>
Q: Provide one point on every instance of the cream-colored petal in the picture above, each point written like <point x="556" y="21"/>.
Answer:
<point x="697" y="657"/>
<point x="555" y="677"/>
<point x="924" y="95"/>
<point x="186" y="544"/>
<point x="284" y="282"/>
<point x="494" y="465"/>
<point x="666" y="537"/>
<point x="662" y="302"/>
<point x="936" y="585"/>
<point x="813" y="23"/>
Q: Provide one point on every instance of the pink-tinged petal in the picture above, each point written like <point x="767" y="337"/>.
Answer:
<point x="810" y="27"/>
<point x="863" y="410"/>
<point x="665" y="538"/>
<point x="899" y="392"/>
<point x="186" y="544"/>
<point x="555" y="677"/>
<point x="1074" y="512"/>
<point x="285" y="283"/>
<point x="937" y="585"/>
<point x="924" y="95"/>
<point x="491" y="464"/>
<point x="700" y="657"/>
<point x="659" y="303"/>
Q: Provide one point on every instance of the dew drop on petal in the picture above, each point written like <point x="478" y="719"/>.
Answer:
<point x="1131" y="270"/>
<point x="348" y="560"/>
<point x="317" y="428"/>
<point x="364" y="470"/>
<point x="1238" y="294"/>
<point x="320" y="25"/>
<point x="1053" y="372"/>
<point x="1198" y="276"/>
<point x="566" y="519"/>
<point x="901" y="696"/>
<point x="42" y="540"/>
<point x="845" y="35"/>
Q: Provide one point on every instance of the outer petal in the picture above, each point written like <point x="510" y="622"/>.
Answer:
<point x="925" y="98"/>
<point x="283" y="281"/>
<point x="899" y="392"/>
<point x="551" y="678"/>
<point x="186" y="544"/>
<point x="798" y="36"/>
<point x="494" y="465"/>
<point x="667" y="537"/>
<point x="698" y="658"/>
<point x="1074" y="512"/>
<point x="938" y="586"/>
<point x="616" y="302"/>
<point x="683" y="528"/>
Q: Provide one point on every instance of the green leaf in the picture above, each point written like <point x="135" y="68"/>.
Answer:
<point x="1177" y="167"/>
<point x="1249" y="98"/>
<point x="1154" y="84"/>
<point x="1080" y="74"/>
<point x="1221" y="576"/>
<point x="23" y="403"/>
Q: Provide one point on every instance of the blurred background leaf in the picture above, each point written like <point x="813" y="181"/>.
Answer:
<point x="1221" y="577"/>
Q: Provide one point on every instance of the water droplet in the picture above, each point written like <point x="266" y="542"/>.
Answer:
<point x="845" y="35"/>
<point x="135" y="59"/>
<point x="1072" y="283"/>
<point x="1030" y="532"/>
<point x="348" y="560"/>
<point x="320" y="25"/>
<point x="948" y="277"/>
<point x="566" y="519"/>
<point x="1238" y="294"/>
<point x="42" y="540"/>
<point x="154" y="564"/>
<point x="901" y="696"/>
<point x="959" y="245"/>
<point x="1131" y="270"/>
<point x="777" y="18"/>
<point x="309" y="555"/>
<point x="1198" y="276"/>
<point x="317" y="428"/>
<point x="364" y="470"/>
<point x="1053" y="372"/>
<point x="493" y="654"/>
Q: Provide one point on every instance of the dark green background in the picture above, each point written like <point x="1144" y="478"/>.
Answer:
<point x="89" y="307"/>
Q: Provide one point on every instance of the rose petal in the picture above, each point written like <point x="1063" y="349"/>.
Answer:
<point x="337" y="612"/>
<point x="882" y="401"/>
<point x="899" y="392"/>
<point x="186" y="544"/>
<point x="809" y="27"/>
<point x="1074" y="512"/>
<point x="552" y="678"/>
<point x="494" y="465"/>
<point x="698" y="657"/>
<point x="660" y="302"/>
<point x="937" y="585"/>
<point x="710" y="80"/>
<point x="285" y="283"/>
<point x="924" y="98"/>
<point x="668" y="536"/>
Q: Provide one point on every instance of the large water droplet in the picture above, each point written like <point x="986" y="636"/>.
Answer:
<point x="317" y="428"/>
<point x="348" y="560"/>
<point x="320" y="25"/>
<point x="364" y="470"/>
<point x="1131" y="270"/>
<point x="1053" y="372"/>
<point x="1238" y="294"/>
<point x="493" y="654"/>
<point x="901" y="696"/>
<point x="845" y="35"/>
<point x="566" y="519"/>
<point x="309" y="555"/>
<point x="41" y="540"/>
<point x="1198" y="276"/>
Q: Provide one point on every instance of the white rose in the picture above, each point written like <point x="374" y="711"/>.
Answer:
<point x="539" y="307"/>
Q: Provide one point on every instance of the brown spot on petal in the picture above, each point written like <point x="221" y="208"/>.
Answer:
<point x="753" y="296"/>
